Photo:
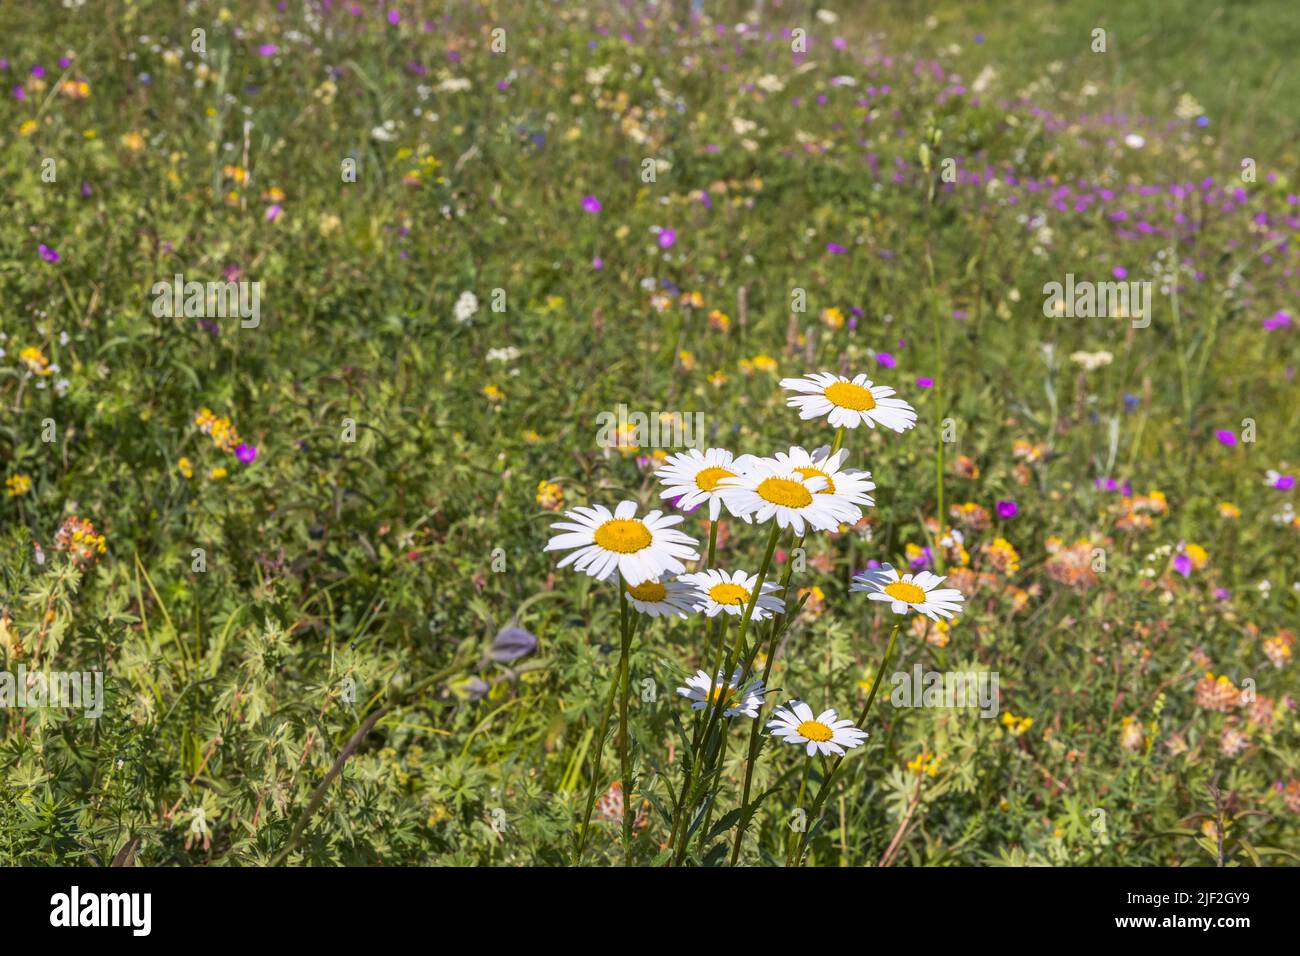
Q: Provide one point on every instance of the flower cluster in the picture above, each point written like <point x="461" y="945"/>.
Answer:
<point x="224" y="437"/>
<point x="78" y="537"/>
<point x="795" y="491"/>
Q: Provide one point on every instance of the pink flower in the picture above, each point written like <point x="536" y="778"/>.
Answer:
<point x="1008" y="509"/>
<point x="48" y="254"/>
<point x="273" y="212"/>
<point x="666" y="238"/>
<point x="246" y="453"/>
<point x="591" y="204"/>
<point x="1226" y="437"/>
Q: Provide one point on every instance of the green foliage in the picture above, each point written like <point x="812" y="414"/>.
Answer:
<point x="348" y="580"/>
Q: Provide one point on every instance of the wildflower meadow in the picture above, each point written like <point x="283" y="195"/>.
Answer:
<point x="653" y="434"/>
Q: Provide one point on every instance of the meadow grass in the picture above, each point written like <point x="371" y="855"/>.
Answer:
<point x="328" y="629"/>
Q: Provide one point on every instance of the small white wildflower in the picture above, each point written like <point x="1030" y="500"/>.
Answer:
<point x="465" y="307"/>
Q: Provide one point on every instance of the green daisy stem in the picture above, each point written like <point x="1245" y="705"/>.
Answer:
<point x="798" y="804"/>
<point x="713" y="673"/>
<point x="719" y="705"/>
<point x="708" y="814"/>
<point x="712" y="654"/>
<point x="825" y="788"/>
<point x="777" y="627"/>
<point x="595" y="763"/>
<point x="839" y="439"/>
<point x="625" y="765"/>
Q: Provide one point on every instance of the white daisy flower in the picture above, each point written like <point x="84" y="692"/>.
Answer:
<point x="768" y="489"/>
<point x="846" y="487"/>
<point x="795" y="724"/>
<point x="912" y="592"/>
<point x="848" y="404"/>
<point x="723" y="593"/>
<point x="738" y="700"/>
<point x="640" y="549"/>
<point x="663" y="598"/>
<point x="693" y="477"/>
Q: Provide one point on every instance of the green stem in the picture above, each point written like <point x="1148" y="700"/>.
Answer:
<point x="803" y="787"/>
<point x="595" y="766"/>
<point x="623" y="741"/>
<point x="825" y="789"/>
<point x="777" y="628"/>
<point x="715" y="712"/>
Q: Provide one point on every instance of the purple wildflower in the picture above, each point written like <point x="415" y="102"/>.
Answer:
<point x="1008" y="509"/>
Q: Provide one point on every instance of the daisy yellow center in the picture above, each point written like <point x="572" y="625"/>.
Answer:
<point x="727" y="593"/>
<point x="722" y="693"/>
<point x="902" y="591"/>
<point x="651" y="591"/>
<point x="626" y="536"/>
<point x="708" y="478"/>
<point x="850" y="396"/>
<point x="808" y="472"/>
<point x="815" y="731"/>
<point x="783" y="491"/>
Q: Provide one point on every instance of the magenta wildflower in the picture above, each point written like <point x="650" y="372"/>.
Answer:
<point x="1008" y="508"/>
<point x="1183" y="565"/>
<point x="1278" y="320"/>
<point x="48" y="254"/>
<point x="835" y="249"/>
<point x="1226" y="438"/>
<point x="886" y="360"/>
<point x="591" y="204"/>
<point x="273" y="212"/>
<point x="394" y="17"/>
<point x="246" y="453"/>
<point x="666" y="238"/>
<point x="925" y="382"/>
<point x="268" y="49"/>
